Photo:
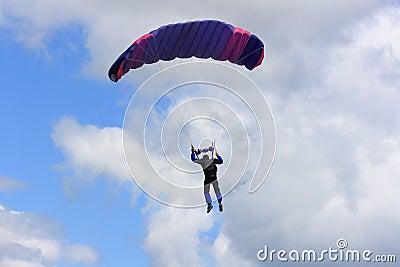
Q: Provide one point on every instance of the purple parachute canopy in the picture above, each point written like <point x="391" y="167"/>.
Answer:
<point x="200" y="39"/>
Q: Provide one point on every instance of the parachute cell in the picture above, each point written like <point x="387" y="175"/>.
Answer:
<point x="201" y="39"/>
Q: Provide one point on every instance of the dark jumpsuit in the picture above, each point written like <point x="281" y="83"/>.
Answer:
<point x="210" y="175"/>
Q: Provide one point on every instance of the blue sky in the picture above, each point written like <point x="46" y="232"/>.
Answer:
<point x="66" y="196"/>
<point x="40" y="92"/>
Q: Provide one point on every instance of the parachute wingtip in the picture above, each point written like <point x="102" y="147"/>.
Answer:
<point x="113" y="77"/>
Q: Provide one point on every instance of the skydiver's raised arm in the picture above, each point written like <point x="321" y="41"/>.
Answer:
<point x="193" y="156"/>
<point x="219" y="159"/>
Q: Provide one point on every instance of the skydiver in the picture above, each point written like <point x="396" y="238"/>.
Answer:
<point x="210" y="176"/>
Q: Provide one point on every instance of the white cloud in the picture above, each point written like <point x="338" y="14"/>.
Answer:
<point x="80" y="253"/>
<point x="225" y="253"/>
<point x="336" y="171"/>
<point x="10" y="184"/>
<point x="27" y="239"/>
<point x="91" y="151"/>
<point x="18" y="263"/>
<point x="174" y="237"/>
<point x="337" y="166"/>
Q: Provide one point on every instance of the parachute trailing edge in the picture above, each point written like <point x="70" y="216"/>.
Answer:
<point x="201" y="39"/>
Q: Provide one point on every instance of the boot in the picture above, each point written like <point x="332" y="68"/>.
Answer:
<point x="209" y="207"/>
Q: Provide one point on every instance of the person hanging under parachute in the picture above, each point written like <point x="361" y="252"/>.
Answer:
<point x="210" y="174"/>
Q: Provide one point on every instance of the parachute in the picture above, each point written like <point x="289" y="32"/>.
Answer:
<point x="201" y="39"/>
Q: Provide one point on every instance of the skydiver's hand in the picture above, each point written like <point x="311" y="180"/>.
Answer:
<point x="216" y="153"/>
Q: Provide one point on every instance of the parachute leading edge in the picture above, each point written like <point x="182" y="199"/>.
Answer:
<point x="200" y="39"/>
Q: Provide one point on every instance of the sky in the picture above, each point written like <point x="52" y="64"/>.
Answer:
<point x="327" y="136"/>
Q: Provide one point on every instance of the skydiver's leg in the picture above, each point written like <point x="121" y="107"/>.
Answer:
<point x="207" y="193"/>
<point x="218" y="194"/>
<point x="217" y="191"/>
<point x="208" y="197"/>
